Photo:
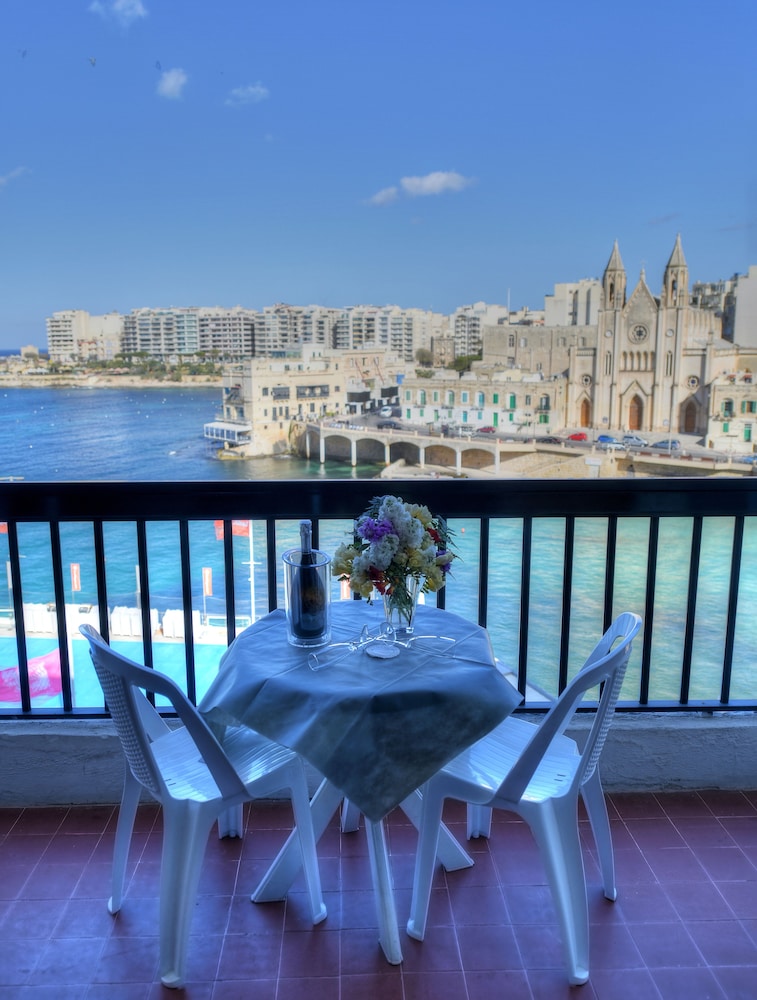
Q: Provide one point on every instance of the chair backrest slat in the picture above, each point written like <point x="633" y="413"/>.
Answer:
<point x="605" y="665"/>
<point x="121" y="681"/>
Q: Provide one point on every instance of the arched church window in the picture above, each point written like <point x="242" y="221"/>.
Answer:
<point x="669" y="363"/>
<point x="608" y="363"/>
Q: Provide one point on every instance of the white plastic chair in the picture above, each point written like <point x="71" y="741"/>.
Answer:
<point x="194" y="778"/>
<point x="537" y="772"/>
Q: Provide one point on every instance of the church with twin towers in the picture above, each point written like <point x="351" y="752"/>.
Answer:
<point x="633" y="360"/>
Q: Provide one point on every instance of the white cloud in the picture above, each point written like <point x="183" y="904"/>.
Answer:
<point x="123" y="11"/>
<point x="438" y="182"/>
<point x="7" y="178"/>
<point x="384" y="196"/>
<point x="253" y="93"/>
<point x="171" y="83"/>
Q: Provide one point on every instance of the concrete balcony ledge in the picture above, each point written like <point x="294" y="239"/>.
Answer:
<point x="79" y="762"/>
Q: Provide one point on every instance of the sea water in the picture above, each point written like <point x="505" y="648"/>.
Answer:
<point x="156" y="435"/>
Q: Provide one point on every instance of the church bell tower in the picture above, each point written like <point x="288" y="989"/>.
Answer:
<point x="675" y="292"/>
<point x="614" y="282"/>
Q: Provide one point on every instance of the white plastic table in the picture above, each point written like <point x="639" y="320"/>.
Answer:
<point x="376" y="729"/>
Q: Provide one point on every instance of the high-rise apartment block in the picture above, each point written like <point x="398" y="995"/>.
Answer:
<point x="74" y="335"/>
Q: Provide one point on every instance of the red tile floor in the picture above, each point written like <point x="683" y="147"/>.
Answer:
<point x="684" y="924"/>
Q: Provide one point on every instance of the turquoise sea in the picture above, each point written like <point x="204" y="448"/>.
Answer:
<point x="156" y="434"/>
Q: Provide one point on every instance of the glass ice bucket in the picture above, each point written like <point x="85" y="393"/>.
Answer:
<point x="307" y="596"/>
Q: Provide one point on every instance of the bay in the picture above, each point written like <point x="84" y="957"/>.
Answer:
<point x="147" y="434"/>
<point x="155" y="434"/>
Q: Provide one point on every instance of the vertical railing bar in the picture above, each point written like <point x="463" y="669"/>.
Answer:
<point x="483" y="572"/>
<point x="18" y="617"/>
<point x="228" y="576"/>
<point x="270" y="545"/>
<point x="691" y="607"/>
<point x="60" y="603"/>
<point x="186" y="597"/>
<point x="733" y="600"/>
<point x="525" y="595"/>
<point x="441" y="595"/>
<point x="610" y="557"/>
<point x="101" y="583"/>
<point x="646" y="653"/>
<point x="567" y="594"/>
<point x="144" y="592"/>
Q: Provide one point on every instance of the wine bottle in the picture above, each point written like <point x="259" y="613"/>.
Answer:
<point x="308" y="599"/>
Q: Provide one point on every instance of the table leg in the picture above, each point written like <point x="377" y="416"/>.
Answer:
<point x="350" y="817"/>
<point x="450" y="852"/>
<point x="279" y="877"/>
<point x="276" y="882"/>
<point x="383" y="891"/>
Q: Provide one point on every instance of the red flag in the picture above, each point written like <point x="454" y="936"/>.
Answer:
<point x="237" y="528"/>
<point x="207" y="581"/>
<point x="75" y="576"/>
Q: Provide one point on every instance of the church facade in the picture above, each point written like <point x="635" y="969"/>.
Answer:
<point x="648" y="364"/>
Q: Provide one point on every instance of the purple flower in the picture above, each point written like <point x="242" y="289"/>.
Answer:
<point x="372" y="530"/>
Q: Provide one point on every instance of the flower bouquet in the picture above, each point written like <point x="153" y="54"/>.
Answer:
<point x="400" y="550"/>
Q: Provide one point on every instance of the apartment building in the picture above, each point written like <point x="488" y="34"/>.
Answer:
<point x="74" y="335"/>
<point x="468" y="323"/>
<point x="402" y="331"/>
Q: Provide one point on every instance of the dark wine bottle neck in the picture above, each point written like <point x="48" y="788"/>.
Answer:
<point x="306" y="543"/>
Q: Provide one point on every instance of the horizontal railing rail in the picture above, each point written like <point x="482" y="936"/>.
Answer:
<point x="546" y="565"/>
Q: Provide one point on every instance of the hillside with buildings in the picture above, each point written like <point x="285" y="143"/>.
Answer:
<point x="607" y="355"/>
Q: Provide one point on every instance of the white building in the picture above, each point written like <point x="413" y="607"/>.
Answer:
<point x="745" y="319"/>
<point x="73" y="335"/>
<point x="263" y="398"/>
<point x="573" y="303"/>
<point x="391" y="328"/>
<point x="468" y="322"/>
<point x="176" y="332"/>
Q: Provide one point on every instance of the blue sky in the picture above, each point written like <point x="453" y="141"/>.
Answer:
<point x="429" y="154"/>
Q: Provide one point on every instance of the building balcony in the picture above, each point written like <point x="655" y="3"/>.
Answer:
<point x="679" y="764"/>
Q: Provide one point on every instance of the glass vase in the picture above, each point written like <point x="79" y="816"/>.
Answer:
<point x="401" y="604"/>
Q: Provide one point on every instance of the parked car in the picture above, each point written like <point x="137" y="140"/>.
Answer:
<point x="549" y="440"/>
<point x="668" y="445"/>
<point x="390" y="425"/>
<point x="578" y="436"/>
<point x="607" y="439"/>
<point x="386" y="411"/>
<point x="487" y="430"/>
<point x="634" y="441"/>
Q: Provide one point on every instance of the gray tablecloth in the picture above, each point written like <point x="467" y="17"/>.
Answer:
<point x="377" y="729"/>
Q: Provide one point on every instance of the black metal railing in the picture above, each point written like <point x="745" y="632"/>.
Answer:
<point x="547" y="564"/>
